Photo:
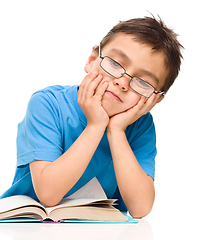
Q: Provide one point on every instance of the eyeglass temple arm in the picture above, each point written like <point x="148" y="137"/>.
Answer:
<point x="99" y="49"/>
<point x="160" y="93"/>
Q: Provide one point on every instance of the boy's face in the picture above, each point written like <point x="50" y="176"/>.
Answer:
<point x="139" y="60"/>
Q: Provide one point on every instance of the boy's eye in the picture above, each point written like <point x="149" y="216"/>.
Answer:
<point x="115" y="64"/>
<point x="142" y="83"/>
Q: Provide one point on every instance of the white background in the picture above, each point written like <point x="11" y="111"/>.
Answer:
<point x="44" y="43"/>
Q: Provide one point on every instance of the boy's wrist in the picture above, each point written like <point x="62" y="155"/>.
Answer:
<point x="115" y="133"/>
<point x="96" y="129"/>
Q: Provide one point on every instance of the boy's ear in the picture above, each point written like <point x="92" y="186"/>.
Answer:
<point x="161" y="98"/>
<point x="90" y="60"/>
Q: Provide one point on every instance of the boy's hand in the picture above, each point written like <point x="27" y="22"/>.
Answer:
<point x="120" y="121"/>
<point x="90" y="94"/>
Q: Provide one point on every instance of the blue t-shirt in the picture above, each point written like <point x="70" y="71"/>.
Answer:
<point x="53" y="122"/>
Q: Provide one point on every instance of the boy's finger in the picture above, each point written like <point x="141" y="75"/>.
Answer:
<point x="101" y="90"/>
<point x="84" y="86"/>
<point x="88" y="79"/>
<point x="141" y="103"/>
<point x="93" y="86"/>
<point x="151" y="102"/>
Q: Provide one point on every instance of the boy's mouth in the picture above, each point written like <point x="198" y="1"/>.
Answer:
<point x="113" y="95"/>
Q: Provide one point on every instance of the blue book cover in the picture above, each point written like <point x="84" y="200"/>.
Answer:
<point x="33" y="220"/>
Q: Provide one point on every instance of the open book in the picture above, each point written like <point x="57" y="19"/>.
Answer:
<point x="88" y="203"/>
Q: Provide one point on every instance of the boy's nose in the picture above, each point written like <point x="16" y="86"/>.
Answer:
<point x="122" y="83"/>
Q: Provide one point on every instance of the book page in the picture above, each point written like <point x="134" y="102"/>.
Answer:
<point x="99" y="213"/>
<point x="92" y="190"/>
<point x="67" y="203"/>
<point x="18" y="201"/>
<point x="89" y="193"/>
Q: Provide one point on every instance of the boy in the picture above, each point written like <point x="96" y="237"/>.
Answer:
<point x="102" y="128"/>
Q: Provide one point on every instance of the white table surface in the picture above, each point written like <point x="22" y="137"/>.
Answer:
<point x="144" y="230"/>
<point x="25" y="231"/>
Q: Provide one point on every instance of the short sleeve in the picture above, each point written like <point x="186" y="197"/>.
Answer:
<point x="39" y="134"/>
<point x="143" y="143"/>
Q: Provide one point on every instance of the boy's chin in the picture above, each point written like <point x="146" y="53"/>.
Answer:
<point x="111" y="112"/>
<point x="110" y="109"/>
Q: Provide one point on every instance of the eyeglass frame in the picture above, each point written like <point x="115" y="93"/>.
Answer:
<point x="125" y="73"/>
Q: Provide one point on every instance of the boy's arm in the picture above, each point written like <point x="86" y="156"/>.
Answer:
<point x="136" y="187"/>
<point x="52" y="180"/>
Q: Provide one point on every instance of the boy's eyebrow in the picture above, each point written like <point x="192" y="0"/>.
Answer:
<point x="122" y="54"/>
<point x="150" y="74"/>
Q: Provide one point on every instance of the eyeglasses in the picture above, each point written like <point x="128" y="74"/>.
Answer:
<point x="138" y="85"/>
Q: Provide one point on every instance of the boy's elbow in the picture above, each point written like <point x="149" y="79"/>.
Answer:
<point x="48" y="199"/>
<point x="141" y="212"/>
